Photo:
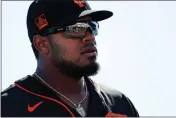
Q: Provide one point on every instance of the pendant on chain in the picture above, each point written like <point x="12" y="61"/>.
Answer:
<point x="81" y="110"/>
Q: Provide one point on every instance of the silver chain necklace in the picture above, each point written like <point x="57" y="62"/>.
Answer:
<point x="78" y="106"/>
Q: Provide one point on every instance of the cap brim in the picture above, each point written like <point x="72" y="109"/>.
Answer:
<point x="97" y="15"/>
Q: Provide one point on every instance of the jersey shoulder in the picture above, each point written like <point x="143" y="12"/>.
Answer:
<point x="117" y="101"/>
<point x="12" y="90"/>
<point x="13" y="100"/>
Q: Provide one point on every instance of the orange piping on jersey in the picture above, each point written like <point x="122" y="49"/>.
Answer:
<point x="54" y="100"/>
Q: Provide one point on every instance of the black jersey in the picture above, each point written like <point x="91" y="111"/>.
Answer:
<point x="28" y="97"/>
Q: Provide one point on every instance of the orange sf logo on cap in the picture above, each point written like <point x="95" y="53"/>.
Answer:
<point x="41" y="22"/>
<point x="80" y="3"/>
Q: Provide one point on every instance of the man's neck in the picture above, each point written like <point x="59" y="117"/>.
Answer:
<point x="61" y="83"/>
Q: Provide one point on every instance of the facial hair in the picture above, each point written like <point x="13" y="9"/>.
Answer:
<point x="70" y="68"/>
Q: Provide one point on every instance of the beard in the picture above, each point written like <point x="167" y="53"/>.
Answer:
<point x="70" y="68"/>
<point x="76" y="71"/>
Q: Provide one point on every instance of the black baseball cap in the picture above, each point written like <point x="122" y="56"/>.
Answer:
<point x="46" y="14"/>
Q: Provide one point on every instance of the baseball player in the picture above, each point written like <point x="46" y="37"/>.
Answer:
<point x="62" y="34"/>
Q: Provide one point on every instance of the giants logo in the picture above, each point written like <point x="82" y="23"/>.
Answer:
<point x="41" y="22"/>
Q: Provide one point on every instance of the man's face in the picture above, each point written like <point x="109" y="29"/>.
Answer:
<point x="75" y="57"/>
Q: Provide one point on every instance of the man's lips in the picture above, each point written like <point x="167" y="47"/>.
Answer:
<point x="89" y="50"/>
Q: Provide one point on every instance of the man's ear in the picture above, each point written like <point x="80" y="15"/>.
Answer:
<point x="41" y="45"/>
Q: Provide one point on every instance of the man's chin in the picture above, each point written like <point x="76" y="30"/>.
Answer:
<point x="90" y="69"/>
<point x="92" y="59"/>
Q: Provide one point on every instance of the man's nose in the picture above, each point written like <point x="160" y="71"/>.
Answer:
<point x="89" y="37"/>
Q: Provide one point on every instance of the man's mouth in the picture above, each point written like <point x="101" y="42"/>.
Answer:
<point x="90" y="51"/>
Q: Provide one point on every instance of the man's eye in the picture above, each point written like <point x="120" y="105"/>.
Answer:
<point x="74" y="29"/>
<point x="77" y="29"/>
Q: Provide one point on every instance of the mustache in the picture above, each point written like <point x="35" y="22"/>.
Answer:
<point x="89" y="45"/>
